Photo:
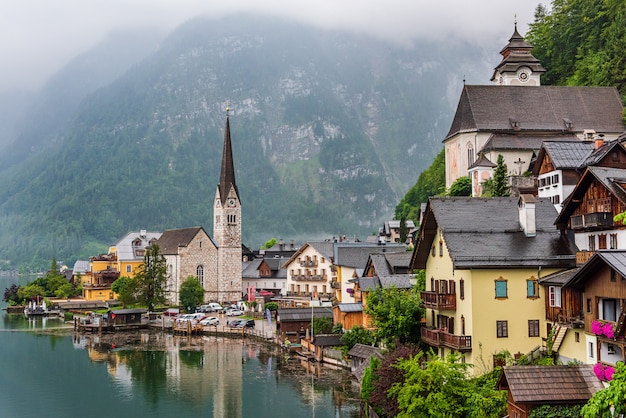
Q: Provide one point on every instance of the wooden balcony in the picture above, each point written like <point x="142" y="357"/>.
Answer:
<point x="308" y="263"/>
<point x="592" y="220"/>
<point x="439" y="301"/>
<point x="583" y="256"/>
<point x="308" y="278"/>
<point x="439" y="338"/>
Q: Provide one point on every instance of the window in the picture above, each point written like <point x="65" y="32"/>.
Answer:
<point x="608" y="308"/>
<point x="533" y="327"/>
<point x="592" y="243"/>
<point x="470" y="154"/>
<point x="613" y="276"/>
<point x="200" y="275"/>
<point x="129" y="268"/>
<point x="602" y="241"/>
<point x="554" y="296"/>
<point x="577" y="337"/>
<point x="613" y="241"/>
<point x="462" y="289"/>
<point x="532" y="288"/>
<point x="588" y="305"/>
<point x="591" y="350"/>
<point x="440" y="248"/>
<point x="433" y="251"/>
<point x="502" y="329"/>
<point x="501" y="291"/>
<point x="462" y="325"/>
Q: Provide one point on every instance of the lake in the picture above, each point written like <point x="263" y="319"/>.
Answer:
<point x="48" y="371"/>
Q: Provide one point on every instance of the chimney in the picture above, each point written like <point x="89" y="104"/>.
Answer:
<point x="281" y="244"/>
<point x="599" y="140"/>
<point x="526" y="206"/>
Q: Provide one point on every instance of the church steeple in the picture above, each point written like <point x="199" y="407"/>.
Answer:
<point x="518" y="65"/>
<point x="227" y="174"/>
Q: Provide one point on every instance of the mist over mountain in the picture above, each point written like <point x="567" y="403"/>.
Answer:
<point x="329" y="130"/>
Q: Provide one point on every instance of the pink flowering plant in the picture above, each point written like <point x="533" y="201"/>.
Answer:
<point x="598" y="369"/>
<point x="608" y="373"/>
<point x="596" y="327"/>
<point x="604" y="372"/>
<point x="608" y="330"/>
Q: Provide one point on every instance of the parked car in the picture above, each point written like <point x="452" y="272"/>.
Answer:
<point x="234" y="312"/>
<point x="210" y="320"/>
<point x="235" y="323"/>
<point x="211" y="307"/>
<point x="172" y="312"/>
<point x="191" y="317"/>
<point x="247" y="323"/>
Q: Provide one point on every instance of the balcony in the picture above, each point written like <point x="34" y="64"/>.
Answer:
<point x="583" y="256"/>
<point x="592" y="220"/>
<point x="308" y="278"/>
<point x="439" y="301"/>
<point x="439" y="338"/>
<point x="308" y="263"/>
<point x="335" y="284"/>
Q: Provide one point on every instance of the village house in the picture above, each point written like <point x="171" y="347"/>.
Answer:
<point x="264" y="277"/>
<point x="123" y="259"/>
<point x="517" y="114"/>
<point x="483" y="259"/>
<point x="310" y="274"/>
<point x="560" y="165"/>
<point x="531" y="386"/>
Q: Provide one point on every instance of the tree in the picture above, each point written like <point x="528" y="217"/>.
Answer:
<point x="191" y="292"/>
<point x="498" y="185"/>
<point x="272" y="306"/>
<point x="126" y="290"/>
<point x="402" y="230"/>
<point x="613" y="396"/>
<point x="11" y="295"/>
<point x="151" y="278"/>
<point x="396" y="314"/>
<point x="269" y="244"/>
<point x="461" y="187"/>
<point x="322" y="325"/>
<point x="356" y="335"/>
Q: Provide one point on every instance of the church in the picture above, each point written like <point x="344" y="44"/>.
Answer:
<point x="516" y="114"/>
<point x="216" y="261"/>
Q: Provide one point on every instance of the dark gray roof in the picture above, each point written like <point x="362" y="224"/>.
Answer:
<point x="368" y="283"/>
<point x="518" y="142"/>
<point x="399" y="281"/>
<point x="327" y="340"/>
<point x="542" y="108"/>
<point x="568" y="154"/>
<point x="486" y="233"/>
<point x="304" y="314"/>
<point x="251" y="269"/>
<point x="350" y="307"/>
<point x="559" y="278"/>
<point x="129" y="311"/>
<point x="611" y="178"/>
<point x="550" y="384"/>
<point x="616" y="259"/>
<point x="364" y="351"/>
<point x="171" y="239"/>
<point x="598" y="154"/>
<point x="482" y="161"/>
<point x="356" y="254"/>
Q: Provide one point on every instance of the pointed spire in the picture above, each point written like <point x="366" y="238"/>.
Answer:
<point x="227" y="174"/>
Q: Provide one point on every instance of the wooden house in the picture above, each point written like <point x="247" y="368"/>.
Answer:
<point x="126" y="317"/>
<point x="531" y="386"/>
<point x="349" y="315"/>
<point x="294" y="323"/>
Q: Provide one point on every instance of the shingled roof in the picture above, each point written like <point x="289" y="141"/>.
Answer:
<point x="616" y="259"/>
<point x="550" y="384"/>
<point x="171" y="239"/>
<point x="614" y="179"/>
<point x="486" y="233"/>
<point x="544" y="109"/>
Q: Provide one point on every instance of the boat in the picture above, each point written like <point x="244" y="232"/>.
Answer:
<point x="34" y="309"/>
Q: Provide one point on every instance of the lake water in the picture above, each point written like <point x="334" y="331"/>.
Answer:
<point x="48" y="371"/>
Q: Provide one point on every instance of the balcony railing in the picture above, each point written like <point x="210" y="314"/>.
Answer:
<point x="439" y="338"/>
<point x="308" y="278"/>
<point x="439" y="301"/>
<point x="335" y="285"/>
<point x="583" y="256"/>
<point x="308" y="263"/>
<point x="589" y="220"/>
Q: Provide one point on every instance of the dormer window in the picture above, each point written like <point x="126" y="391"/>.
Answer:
<point x="569" y="125"/>
<point x="515" y="124"/>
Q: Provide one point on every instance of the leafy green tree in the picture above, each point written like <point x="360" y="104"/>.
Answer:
<point x="356" y="335"/>
<point x="322" y="325"/>
<point x="403" y="230"/>
<point x="560" y="411"/>
<point x="126" y="290"/>
<point x="442" y="389"/>
<point x="30" y="292"/>
<point x="151" y="278"/>
<point x="498" y="185"/>
<point x="613" y="396"/>
<point x="191" y="293"/>
<point x="420" y="278"/>
<point x="431" y="182"/>
<point x="65" y="290"/>
<point x="272" y="306"/>
<point x="396" y="314"/>
<point x="11" y="295"/>
<point x="369" y="376"/>
<point x="461" y="187"/>
<point x="269" y="244"/>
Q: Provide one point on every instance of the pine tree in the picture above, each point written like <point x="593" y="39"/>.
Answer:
<point x="500" y="179"/>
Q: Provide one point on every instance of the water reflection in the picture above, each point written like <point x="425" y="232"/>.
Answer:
<point x="226" y="377"/>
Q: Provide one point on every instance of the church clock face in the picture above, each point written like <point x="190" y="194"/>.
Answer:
<point x="523" y="75"/>
<point x="232" y="203"/>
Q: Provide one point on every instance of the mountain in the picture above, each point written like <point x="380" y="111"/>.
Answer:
<point x="329" y="130"/>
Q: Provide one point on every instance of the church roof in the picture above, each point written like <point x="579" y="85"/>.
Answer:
<point x="539" y="109"/>
<point x="522" y="141"/>
<point x="174" y="238"/>
<point x="227" y="174"/>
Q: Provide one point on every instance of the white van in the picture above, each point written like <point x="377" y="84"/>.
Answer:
<point x="211" y="307"/>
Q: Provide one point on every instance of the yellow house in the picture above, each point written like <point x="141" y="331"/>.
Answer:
<point x="123" y="259"/>
<point x="483" y="259"/>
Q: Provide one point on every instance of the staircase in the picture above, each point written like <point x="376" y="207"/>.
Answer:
<point x="559" y="332"/>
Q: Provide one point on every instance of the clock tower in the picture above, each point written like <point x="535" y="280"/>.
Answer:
<point x="518" y="66"/>
<point x="227" y="229"/>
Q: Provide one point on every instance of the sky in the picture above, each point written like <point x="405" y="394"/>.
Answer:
<point x="39" y="36"/>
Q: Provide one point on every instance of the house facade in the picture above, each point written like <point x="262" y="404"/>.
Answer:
<point x="483" y="259"/>
<point x="310" y="273"/>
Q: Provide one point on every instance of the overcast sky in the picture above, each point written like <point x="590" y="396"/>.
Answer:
<point x="39" y="36"/>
